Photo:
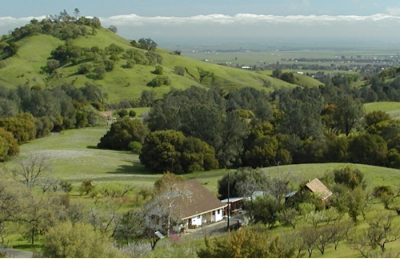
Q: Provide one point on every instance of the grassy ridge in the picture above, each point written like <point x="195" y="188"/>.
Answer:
<point x="122" y="83"/>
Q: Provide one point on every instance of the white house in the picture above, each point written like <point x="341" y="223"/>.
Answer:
<point x="187" y="204"/>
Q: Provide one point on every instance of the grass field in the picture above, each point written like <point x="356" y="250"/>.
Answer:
<point x="393" y="108"/>
<point x="74" y="157"/>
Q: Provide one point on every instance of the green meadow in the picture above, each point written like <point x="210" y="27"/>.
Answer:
<point x="74" y="157"/>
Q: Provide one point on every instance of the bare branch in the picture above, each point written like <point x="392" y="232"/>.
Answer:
<point x="31" y="170"/>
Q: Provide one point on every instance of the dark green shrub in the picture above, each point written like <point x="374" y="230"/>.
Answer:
<point x="108" y="65"/>
<point x="122" y="113"/>
<point x="179" y="70"/>
<point x="84" y="68"/>
<point x="158" y="70"/>
<point x="66" y="186"/>
<point x="132" y="113"/>
<point x="159" y="81"/>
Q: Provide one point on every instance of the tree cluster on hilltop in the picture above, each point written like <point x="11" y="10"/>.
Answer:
<point x="94" y="62"/>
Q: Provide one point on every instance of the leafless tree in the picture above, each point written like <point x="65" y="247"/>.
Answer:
<point x="341" y="230"/>
<point x="247" y="187"/>
<point x="32" y="170"/>
<point x="288" y="217"/>
<point x="279" y="186"/>
<point x="104" y="216"/>
<point x="10" y="207"/>
<point x="380" y="232"/>
<point x="309" y="237"/>
<point x="49" y="184"/>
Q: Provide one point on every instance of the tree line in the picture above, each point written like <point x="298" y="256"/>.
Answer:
<point x="27" y="113"/>
<point x="248" y="127"/>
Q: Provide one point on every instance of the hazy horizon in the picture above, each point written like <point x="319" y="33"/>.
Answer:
<point x="176" y="22"/>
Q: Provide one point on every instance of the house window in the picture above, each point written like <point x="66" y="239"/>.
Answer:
<point x="213" y="213"/>
<point x="198" y="216"/>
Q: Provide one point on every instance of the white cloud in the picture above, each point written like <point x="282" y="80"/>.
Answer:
<point x="221" y="19"/>
<point x="11" y="21"/>
<point x="244" y="26"/>
<point x="241" y="18"/>
<point x="393" y="10"/>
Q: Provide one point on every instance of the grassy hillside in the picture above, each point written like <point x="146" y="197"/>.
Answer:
<point x="123" y="83"/>
<point x="74" y="157"/>
<point x="25" y="65"/>
<point x="393" y="108"/>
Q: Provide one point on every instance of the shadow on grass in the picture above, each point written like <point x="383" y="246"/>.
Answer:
<point x="92" y="147"/>
<point x="135" y="168"/>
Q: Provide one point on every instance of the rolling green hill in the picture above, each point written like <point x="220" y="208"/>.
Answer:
<point x="26" y="67"/>
<point x="73" y="157"/>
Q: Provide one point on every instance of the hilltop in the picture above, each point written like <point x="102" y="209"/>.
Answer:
<point x="30" y="64"/>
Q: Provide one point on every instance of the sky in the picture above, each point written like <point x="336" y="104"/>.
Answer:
<point x="219" y="20"/>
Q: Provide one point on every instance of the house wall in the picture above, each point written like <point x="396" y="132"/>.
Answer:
<point x="217" y="215"/>
<point x="198" y="220"/>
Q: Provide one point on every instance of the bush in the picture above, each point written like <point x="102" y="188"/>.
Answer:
<point x="77" y="240"/>
<point x="98" y="106"/>
<point x="122" y="133"/>
<point x="84" y="68"/>
<point x="108" y="65"/>
<point x="179" y="70"/>
<point x="66" y="186"/>
<point x="288" y="77"/>
<point x="159" y="81"/>
<point x="132" y="113"/>
<point x="99" y="72"/>
<point x="52" y="64"/>
<point x="158" y="70"/>
<point x="352" y="178"/>
<point x="86" y="187"/>
<point x="136" y="147"/>
<point x="122" y="113"/>
<point x="383" y="189"/>
<point x="385" y="194"/>
<point x="130" y="63"/>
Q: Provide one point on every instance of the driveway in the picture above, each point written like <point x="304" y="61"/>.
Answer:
<point x="14" y="253"/>
<point x="213" y="229"/>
